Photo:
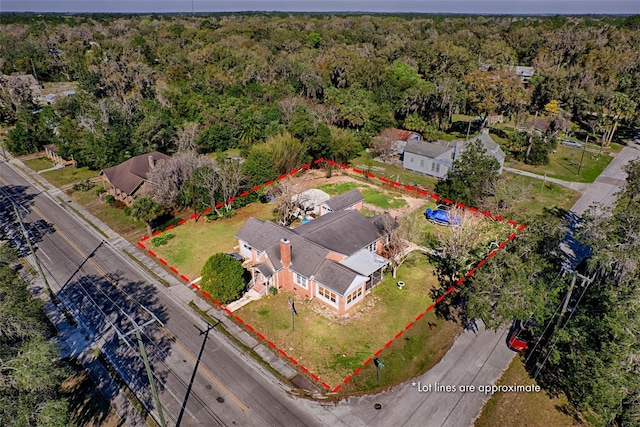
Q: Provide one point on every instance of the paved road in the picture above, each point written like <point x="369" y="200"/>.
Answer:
<point x="98" y="282"/>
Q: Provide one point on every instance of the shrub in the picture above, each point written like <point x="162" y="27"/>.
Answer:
<point x="222" y="277"/>
<point x="273" y="291"/>
<point x="100" y="190"/>
<point x="85" y="185"/>
<point x="109" y="199"/>
<point x="127" y="210"/>
<point x="162" y="239"/>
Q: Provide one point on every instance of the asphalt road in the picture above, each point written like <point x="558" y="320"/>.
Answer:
<point x="99" y="284"/>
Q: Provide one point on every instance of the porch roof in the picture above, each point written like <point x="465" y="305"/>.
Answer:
<point x="365" y="262"/>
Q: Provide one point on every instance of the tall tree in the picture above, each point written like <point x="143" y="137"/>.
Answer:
<point x="222" y="277"/>
<point x="146" y="209"/>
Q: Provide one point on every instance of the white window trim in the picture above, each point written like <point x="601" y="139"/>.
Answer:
<point x="358" y="296"/>
<point x="300" y="276"/>
<point x="324" y="298"/>
<point x="373" y="246"/>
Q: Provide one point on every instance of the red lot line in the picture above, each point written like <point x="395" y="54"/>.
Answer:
<point x="182" y="221"/>
<point x="409" y="188"/>
<point x="249" y="327"/>
<point x="144" y="238"/>
<point x="357" y="371"/>
<point x="239" y="319"/>
<point x="141" y="245"/>
<point x="153" y="254"/>
<point x="383" y="179"/>
<point x="512" y="222"/>
<point x="206" y="294"/>
<point x="281" y="177"/>
<point x="172" y="268"/>
<point x="282" y="352"/>
<point x="185" y="278"/>
<point x="491" y="254"/>
<point x="422" y="192"/>
<point x="171" y="227"/>
<point x="447" y="201"/>
<point x="347" y="379"/>
<point x="487" y="214"/>
<point x="481" y="263"/>
<point x="451" y="289"/>
<point x="344" y="166"/>
<point x="369" y="360"/>
<point x="218" y="303"/>
<point x="315" y="377"/>
<point x="307" y="166"/>
<point x="194" y="216"/>
<point x="399" y="334"/>
<point x="435" y="197"/>
<point x="195" y="286"/>
<point x="295" y="171"/>
<point x="440" y="298"/>
<point x="498" y="218"/>
<point x="231" y="200"/>
<point x="513" y="236"/>
<point x="396" y="184"/>
<point x="244" y="194"/>
<point x="271" y="344"/>
<point x="377" y="353"/>
<point x="356" y="170"/>
<point x="315" y="162"/>
<point x="336" y="388"/>
<point x="163" y="262"/>
<point x="206" y="211"/>
<point x="229" y="312"/>
<point x="268" y="183"/>
<point x="294" y="361"/>
<point x="304" y="369"/>
<point x="461" y="206"/>
<point x="331" y="162"/>
<point x="325" y="385"/>
<point x="260" y="336"/>
<point x="388" y="343"/>
<point x="502" y="245"/>
<point x="460" y="280"/>
<point x="474" y="210"/>
<point x="256" y="188"/>
<point x="157" y="232"/>
<point x="429" y="308"/>
<point x="369" y="175"/>
<point x="408" y="326"/>
<point x="522" y="227"/>
<point x="419" y="316"/>
<point x="470" y="272"/>
<point x="219" y="205"/>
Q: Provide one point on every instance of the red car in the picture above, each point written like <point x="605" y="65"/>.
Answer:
<point x="519" y="337"/>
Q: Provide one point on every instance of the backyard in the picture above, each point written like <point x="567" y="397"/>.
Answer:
<point x="333" y="348"/>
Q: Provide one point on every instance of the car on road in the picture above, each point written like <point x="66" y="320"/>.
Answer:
<point x="520" y="336"/>
<point x="571" y="143"/>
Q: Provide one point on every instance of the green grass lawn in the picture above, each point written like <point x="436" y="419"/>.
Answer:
<point x="195" y="242"/>
<point x="115" y="218"/>
<point x="565" y="164"/>
<point x="372" y="196"/>
<point x="333" y="349"/>
<point x="69" y="175"/>
<point x="38" y="164"/>
<point x="393" y="173"/>
<point x="534" y="194"/>
<point x="524" y="409"/>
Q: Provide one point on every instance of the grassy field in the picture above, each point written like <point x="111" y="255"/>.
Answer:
<point x="195" y="242"/>
<point x="372" y="196"/>
<point x="524" y="409"/>
<point x="533" y="194"/>
<point x="393" y="173"/>
<point x="69" y="175"/>
<point x="333" y="348"/>
<point x="41" y="163"/>
<point x="565" y="162"/>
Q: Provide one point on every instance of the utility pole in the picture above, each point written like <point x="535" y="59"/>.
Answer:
<point x="567" y="298"/>
<point x="145" y="361"/>
<point x="582" y="157"/>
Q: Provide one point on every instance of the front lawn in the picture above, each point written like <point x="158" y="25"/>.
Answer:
<point x="393" y="173"/>
<point x="333" y="348"/>
<point x="41" y="163"/>
<point x="372" y="196"/>
<point x="565" y="162"/>
<point x="195" y="242"/>
<point x="69" y="175"/>
<point x="533" y="195"/>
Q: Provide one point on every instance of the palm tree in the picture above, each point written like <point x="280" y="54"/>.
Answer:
<point x="146" y="209"/>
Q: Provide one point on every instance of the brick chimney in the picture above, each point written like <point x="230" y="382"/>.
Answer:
<point x="285" y="252"/>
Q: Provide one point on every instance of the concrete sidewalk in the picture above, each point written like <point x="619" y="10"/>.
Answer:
<point x="580" y="187"/>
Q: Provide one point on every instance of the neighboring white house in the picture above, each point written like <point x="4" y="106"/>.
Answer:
<point x="436" y="158"/>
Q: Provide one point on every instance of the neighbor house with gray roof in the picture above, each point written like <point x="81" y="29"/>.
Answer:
<point x="128" y="180"/>
<point x="350" y="200"/>
<point x="336" y="258"/>
<point x="436" y="158"/>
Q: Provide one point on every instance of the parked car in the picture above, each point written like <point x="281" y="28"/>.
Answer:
<point x="571" y="143"/>
<point x="441" y="217"/>
<point x="520" y="336"/>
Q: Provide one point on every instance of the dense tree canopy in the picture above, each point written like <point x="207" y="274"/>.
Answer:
<point x="223" y="277"/>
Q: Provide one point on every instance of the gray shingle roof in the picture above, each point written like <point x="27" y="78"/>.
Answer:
<point x="335" y="276"/>
<point x="262" y="235"/>
<point x="490" y="145"/>
<point x="130" y="174"/>
<point x="427" y="149"/>
<point x="305" y="255"/>
<point x="345" y="200"/>
<point x="344" y="232"/>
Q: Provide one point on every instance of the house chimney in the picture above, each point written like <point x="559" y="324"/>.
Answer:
<point x="285" y="252"/>
<point x="152" y="161"/>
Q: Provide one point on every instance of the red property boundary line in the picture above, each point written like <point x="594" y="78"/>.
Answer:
<point x="397" y="185"/>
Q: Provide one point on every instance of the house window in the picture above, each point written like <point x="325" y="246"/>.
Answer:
<point x="410" y="159"/>
<point x="327" y="294"/>
<point x="372" y="247"/>
<point x="300" y="280"/>
<point x="438" y="168"/>
<point x="433" y="166"/>
<point x="421" y="163"/>
<point x="354" y="296"/>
